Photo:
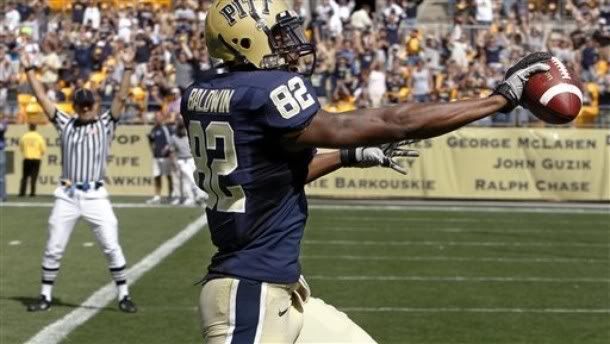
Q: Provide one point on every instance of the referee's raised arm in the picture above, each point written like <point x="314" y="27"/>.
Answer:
<point x="47" y="105"/>
<point x="118" y="103"/>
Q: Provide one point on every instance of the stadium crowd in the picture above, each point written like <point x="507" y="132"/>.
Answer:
<point x="365" y="58"/>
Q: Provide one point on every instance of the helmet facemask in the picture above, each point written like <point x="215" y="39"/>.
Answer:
<point x="289" y="47"/>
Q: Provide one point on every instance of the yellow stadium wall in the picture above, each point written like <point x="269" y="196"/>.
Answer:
<point x="472" y="163"/>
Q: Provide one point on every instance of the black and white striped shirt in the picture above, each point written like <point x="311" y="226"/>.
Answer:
<point x="84" y="146"/>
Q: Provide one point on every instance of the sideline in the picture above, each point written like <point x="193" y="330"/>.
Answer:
<point x="404" y="205"/>
<point x="60" y="329"/>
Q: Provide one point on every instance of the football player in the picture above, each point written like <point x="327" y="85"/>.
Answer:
<point x="254" y="125"/>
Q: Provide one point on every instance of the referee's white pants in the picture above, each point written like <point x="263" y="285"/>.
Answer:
<point x="187" y="184"/>
<point x="96" y="209"/>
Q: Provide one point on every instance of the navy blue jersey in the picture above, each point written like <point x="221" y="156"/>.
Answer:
<point x="257" y="207"/>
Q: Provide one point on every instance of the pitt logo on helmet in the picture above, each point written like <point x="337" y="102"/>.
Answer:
<point x="236" y="7"/>
<point x="264" y="34"/>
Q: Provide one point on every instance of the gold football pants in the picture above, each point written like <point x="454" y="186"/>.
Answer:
<point x="241" y="311"/>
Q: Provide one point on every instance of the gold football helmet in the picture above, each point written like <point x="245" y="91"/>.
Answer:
<point x="264" y="33"/>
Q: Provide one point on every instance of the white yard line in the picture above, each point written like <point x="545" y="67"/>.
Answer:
<point x="450" y="243"/>
<point x="478" y="310"/>
<point x="55" y="332"/>
<point x="50" y="204"/>
<point x="459" y="259"/>
<point x="460" y="279"/>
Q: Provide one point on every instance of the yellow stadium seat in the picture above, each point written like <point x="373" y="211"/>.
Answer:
<point x="97" y="77"/>
<point x="24" y="99"/>
<point x="34" y="113"/>
<point x="67" y="91"/>
<point x="59" y="5"/>
<point x="138" y="93"/>
<point x="589" y="113"/>
<point x="139" y="96"/>
<point x="33" y="108"/>
<point x="66" y="107"/>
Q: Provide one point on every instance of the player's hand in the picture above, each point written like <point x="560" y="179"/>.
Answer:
<point x="517" y="75"/>
<point x="393" y="150"/>
<point x="384" y="155"/>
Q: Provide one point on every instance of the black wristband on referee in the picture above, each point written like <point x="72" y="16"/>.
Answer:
<point x="348" y="157"/>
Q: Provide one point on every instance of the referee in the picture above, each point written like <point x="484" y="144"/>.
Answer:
<point x="85" y="142"/>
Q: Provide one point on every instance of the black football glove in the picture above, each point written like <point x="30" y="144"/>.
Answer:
<point x="516" y="77"/>
<point x="383" y="155"/>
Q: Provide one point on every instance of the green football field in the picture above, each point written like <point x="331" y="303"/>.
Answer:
<point x="405" y="276"/>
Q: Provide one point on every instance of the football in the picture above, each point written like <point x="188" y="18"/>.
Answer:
<point x="554" y="96"/>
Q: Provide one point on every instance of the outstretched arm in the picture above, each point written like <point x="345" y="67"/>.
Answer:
<point x="367" y="127"/>
<point x="39" y="92"/>
<point x="118" y="103"/>
<point x="409" y="121"/>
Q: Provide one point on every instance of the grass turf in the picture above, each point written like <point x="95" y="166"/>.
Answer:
<point x="545" y="261"/>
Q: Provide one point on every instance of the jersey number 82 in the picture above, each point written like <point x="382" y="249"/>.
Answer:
<point x="203" y="140"/>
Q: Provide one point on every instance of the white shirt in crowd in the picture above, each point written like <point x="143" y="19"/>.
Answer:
<point x="50" y="66"/>
<point x="484" y="11"/>
<point x="459" y="53"/>
<point x="124" y="27"/>
<point x="361" y="20"/>
<point x="345" y="10"/>
<point x="421" y="82"/>
<point x="376" y="87"/>
<point x="398" y="11"/>
<point x="12" y="19"/>
<point x="92" y="16"/>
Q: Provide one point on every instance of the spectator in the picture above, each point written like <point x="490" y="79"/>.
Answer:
<point x="12" y="16"/>
<point x="92" y="16"/>
<point x="484" y="12"/>
<point x="8" y="75"/>
<point x="397" y="90"/>
<point x="392" y="8"/>
<point x="160" y="139"/>
<point x="143" y="46"/>
<point x="344" y="9"/>
<point x="342" y="100"/>
<point x="431" y="53"/>
<point x="33" y="148"/>
<point x="413" y="46"/>
<point x="410" y="8"/>
<point x="391" y="25"/>
<point x="78" y="11"/>
<point x="376" y="84"/>
<point x="361" y="19"/>
<point x="588" y="60"/>
<point x="421" y="82"/>
<point x="3" y="127"/>
<point x="184" y="64"/>
<point x="185" y="164"/>
<point x="50" y="64"/>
